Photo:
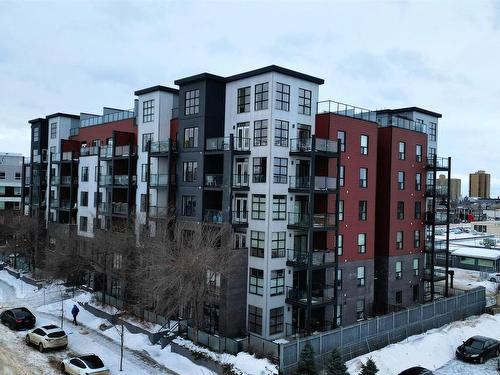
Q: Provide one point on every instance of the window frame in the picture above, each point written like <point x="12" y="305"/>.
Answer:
<point x="255" y="319"/>
<point x="363" y="210"/>
<point x="363" y="182"/>
<point x="276" y="320"/>
<point x="281" y="133"/>
<point x="257" y="243"/>
<point x="363" y="148"/>
<point x="260" y="133"/>
<point x="399" y="240"/>
<point x="398" y="275"/>
<point x="402" y="150"/>
<point x="361" y="243"/>
<point x="401" y="181"/>
<point x="400" y="210"/>
<point x="278" y="244"/>
<point x="256" y="283"/>
<point x="259" y="206"/>
<point x="186" y="210"/>
<point x="280" y="165"/>
<point x="191" y="135"/>
<point x="148" y="111"/>
<point x="305" y="99"/>
<point x="243" y="99"/>
<point x="260" y="166"/>
<point x="279" y="202"/>
<point x="361" y="277"/>
<point x="147" y="138"/>
<point x="261" y="96"/>
<point x="277" y="282"/>
<point x="282" y="97"/>
<point x="192" y="102"/>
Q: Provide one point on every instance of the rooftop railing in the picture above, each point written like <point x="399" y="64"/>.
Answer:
<point x="110" y="117"/>
<point x="331" y="106"/>
<point x="385" y="120"/>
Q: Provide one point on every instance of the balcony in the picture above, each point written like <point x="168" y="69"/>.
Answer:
<point x="156" y="212"/>
<point x="439" y="246"/>
<point x="299" y="183"/>
<point x="123" y="180"/>
<point x="104" y="208"/>
<point x="323" y="183"/>
<point x="306" y="146"/>
<point x="319" y="296"/>
<point x="66" y="205"/>
<point x="106" y="151"/>
<point x="213" y="216"/>
<point x="105" y="179"/>
<point x="439" y="274"/>
<point x="120" y="208"/>
<point x="213" y="180"/>
<point x="385" y="120"/>
<point x="54" y="203"/>
<point x="68" y="156"/>
<point x="89" y="151"/>
<point x="320" y="258"/>
<point x="440" y="164"/>
<point x="125" y="151"/>
<point x="438" y="218"/>
<point x="240" y="218"/>
<point x="158" y="180"/>
<point x="319" y="221"/>
<point x="110" y="117"/>
<point x="55" y="180"/>
<point x="240" y="181"/>
<point x="217" y="144"/>
<point x="242" y="145"/>
<point x="441" y="190"/>
<point x="66" y="181"/>
<point x="162" y="147"/>
<point x="347" y="110"/>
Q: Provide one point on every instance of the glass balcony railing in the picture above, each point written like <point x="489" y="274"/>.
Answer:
<point x="217" y="144"/>
<point x="240" y="180"/>
<point x="441" y="190"/>
<point x="68" y="156"/>
<point x="325" y="183"/>
<point x="341" y="109"/>
<point x="125" y="150"/>
<point x="240" y="217"/>
<point x="319" y="257"/>
<point x="305" y="145"/>
<point x="123" y="180"/>
<point x="439" y="218"/>
<point x="158" y="212"/>
<point x="319" y="220"/>
<point x="110" y="117"/>
<point x="106" y="151"/>
<point x="439" y="246"/>
<point x="89" y="151"/>
<point x="213" y="216"/>
<point x="66" y="205"/>
<point x="298" y="219"/>
<point x="161" y="146"/>
<point x="105" y="179"/>
<point x="319" y="295"/>
<point x="158" y="180"/>
<point x="120" y="208"/>
<point x="385" y="120"/>
<point x="66" y="180"/>
<point x="104" y="207"/>
<point x="439" y="163"/>
<point x="55" y="180"/>
<point x="299" y="182"/>
<point x="54" y="203"/>
<point x="213" y="180"/>
<point x="55" y="157"/>
<point x="73" y="132"/>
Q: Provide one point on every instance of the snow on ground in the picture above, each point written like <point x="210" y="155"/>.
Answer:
<point x="434" y="349"/>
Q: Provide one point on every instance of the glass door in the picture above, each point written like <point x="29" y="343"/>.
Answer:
<point x="242" y="137"/>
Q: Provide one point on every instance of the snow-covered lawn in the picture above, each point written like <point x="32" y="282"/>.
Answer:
<point x="434" y="349"/>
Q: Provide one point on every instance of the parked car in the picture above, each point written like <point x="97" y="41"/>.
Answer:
<point x="47" y="337"/>
<point x="478" y="349"/>
<point x="417" y="370"/>
<point x="494" y="277"/>
<point x="83" y="365"/>
<point x="18" y="318"/>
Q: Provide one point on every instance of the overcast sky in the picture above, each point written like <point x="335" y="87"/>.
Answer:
<point x="78" y="56"/>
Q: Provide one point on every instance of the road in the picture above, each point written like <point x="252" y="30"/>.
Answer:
<point x="455" y="367"/>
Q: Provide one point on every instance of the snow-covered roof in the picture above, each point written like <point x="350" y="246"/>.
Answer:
<point x="475" y="252"/>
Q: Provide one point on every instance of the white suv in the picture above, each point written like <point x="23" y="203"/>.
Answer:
<point x="47" y="337"/>
<point x="494" y="277"/>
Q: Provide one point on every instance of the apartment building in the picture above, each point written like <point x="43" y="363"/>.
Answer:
<point x="11" y="187"/>
<point x="312" y="190"/>
<point x="479" y="184"/>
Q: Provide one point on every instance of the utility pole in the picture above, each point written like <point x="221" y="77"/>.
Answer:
<point x="121" y="349"/>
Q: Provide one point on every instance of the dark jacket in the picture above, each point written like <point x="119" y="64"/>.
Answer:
<point x="75" y="310"/>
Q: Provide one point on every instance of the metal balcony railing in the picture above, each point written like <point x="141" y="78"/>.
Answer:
<point x="439" y="163"/>
<point x="439" y="218"/>
<point x="89" y="151"/>
<point x="213" y="216"/>
<point x="213" y="180"/>
<point x="441" y="190"/>
<point x="217" y="144"/>
<point x="319" y="257"/>
<point x="305" y="145"/>
<point x="242" y="144"/>
<point x="160" y="146"/>
<point x="325" y="183"/>
<point x="158" y="212"/>
<point x="385" y="120"/>
<point x="157" y="180"/>
<point x="240" y="217"/>
<point x="123" y="180"/>
<point x="299" y="182"/>
<point x="240" y="180"/>
<point x="110" y="117"/>
<point x="319" y="295"/>
<point x="439" y="245"/>
<point x="120" y="208"/>
<point x="331" y="106"/>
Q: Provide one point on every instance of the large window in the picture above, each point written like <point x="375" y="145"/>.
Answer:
<point x="256" y="282"/>
<point x="259" y="169"/>
<point x="305" y="101"/>
<point x="85" y="174"/>
<point x="260" y="133"/>
<point x="144" y="172"/>
<point x="192" y="102"/>
<point x="418" y="210"/>
<point x="258" y="206"/>
<point x="276" y="320"/>
<point x="188" y="205"/>
<point x="146" y="140"/>
<point x="432" y="131"/>
<point x="257" y="241"/>
<point x="362" y="243"/>
<point x="281" y="133"/>
<point x="255" y="319"/>
<point x="399" y="240"/>
<point x="83" y="223"/>
<point x="278" y="244"/>
<point x="280" y="170"/>
<point x="415" y="266"/>
<point x="418" y="153"/>
<point x="399" y="270"/>
<point x="36" y="134"/>
<point x="363" y="208"/>
<point x="277" y="282"/>
<point x="261" y="96"/>
<point x="279" y="207"/>
<point x="282" y="97"/>
<point x="84" y="198"/>
<point x="401" y="210"/>
<point x="341" y="210"/>
<point x="53" y="130"/>
<point x="189" y="171"/>
<point x="402" y="150"/>
<point x="360" y="309"/>
<point x="341" y="135"/>
<point x="416" y="238"/>
<point x="340" y="244"/>
<point x="339" y="278"/>
<point x="190" y="137"/>
<point x="360" y="275"/>
<point x="401" y="180"/>
<point x="363" y="177"/>
<point x="418" y="181"/>
<point x="148" y="110"/>
<point x="364" y="145"/>
<point x="244" y="99"/>
<point x="341" y="175"/>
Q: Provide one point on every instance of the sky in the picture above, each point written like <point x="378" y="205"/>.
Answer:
<point x="78" y="56"/>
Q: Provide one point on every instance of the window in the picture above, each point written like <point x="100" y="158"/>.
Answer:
<point x="341" y="136"/>
<point x="340" y="244"/>
<point x="277" y="282"/>
<point x="432" y="152"/>
<point x="399" y="240"/>
<point x="17" y="191"/>
<point x="305" y="102"/>
<point x="281" y="133"/>
<point x="260" y="133"/>
<point x="83" y="223"/>
<point x="415" y="266"/>
<point x="84" y="198"/>
<point x="282" y="96"/>
<point x="256" y="282"/>
<point x="190" y="137"/>
<point x="243" y="99"/>
<point x="188" y="205"/>
<point x="401" y="180"/>
<point x="258" y="207"/>
<point x="416" y="238"/>
<point x="148" y="111"/>
<point x="363" y="206"/>
<point x="2" y="190"/>
<point x="362" y="243"/>
<point x="399" y="272"/>
<point x="17" y="175"/>
<point x="402" y="150"/>
<point x="144" y="202"/>
<point x="276" y="320"/>
<point x="192" y="102"/>
<point x="399" y="297"/>
<point x="261" y="96"/>
<point x="280" y="170"/>
<point x="418" y="210"/>
<point x="97" y="198"/>
<point x="418" y="182"/>
<point x="363" y="177"/>
<point x="278" y="243"/>
<point x="360" y="274"/>
<point x="338" y="318"/>
<point x="418" y="153"/>
<point x="342" y="175"/>
<point x="255" y="319"/>
<point x="432" y="131"/>
<point x="339" y="279"/>
<point x="144" y="172"/>
<point x="257" y="240"/>
<point x="85" y="174"/>
<point x="401" y="211"/>
<point x="364" y="145"/>
<point x="36" y="134"/>
<point x="259" y="169"/>
<point x="416" y="293"/>
<point x="341" y="210"/>
<point x="189" y="171"/>
<point x="360" y="309"/>
<point x="146" y="141"/>
<point x="53" y="130"/>
<point x="279" y="207"/>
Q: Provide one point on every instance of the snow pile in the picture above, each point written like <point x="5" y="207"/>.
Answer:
<point x="432" y="349"/>
<point x="23" y="290"/>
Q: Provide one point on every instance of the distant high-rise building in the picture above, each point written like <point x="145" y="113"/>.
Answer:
<point x="455" y="186"/>
<point x="479" y="184"/>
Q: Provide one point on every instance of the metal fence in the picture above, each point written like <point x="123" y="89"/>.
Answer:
<point x="215" y="343"/>
<point x="370" y="335"/>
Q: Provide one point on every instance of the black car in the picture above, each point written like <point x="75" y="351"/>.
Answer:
<point x="478" y="349"/>
<point x="416" y="371"/>
<point x="18" y="318"/>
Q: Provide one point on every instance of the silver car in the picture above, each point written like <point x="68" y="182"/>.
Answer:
<point x="47" y="337"/>
<point x="494" y="277"/>
<point x="84" y="365"/>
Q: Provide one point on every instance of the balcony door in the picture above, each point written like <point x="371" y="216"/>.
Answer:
<point x="241" y="169"/>
<point x="300" y="242"/>
<point x="242" y="136"/>
<point x="241" y="209"/>
<point x="240" y="240"/>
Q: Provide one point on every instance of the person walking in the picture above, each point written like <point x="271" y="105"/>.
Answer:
<point x="74" y="311"/>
